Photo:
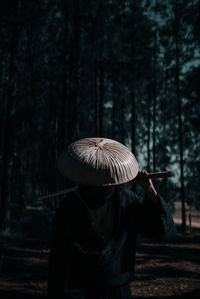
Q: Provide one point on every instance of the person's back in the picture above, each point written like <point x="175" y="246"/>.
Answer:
<point x="98" y="244"/>
<point x="94" y="236"/>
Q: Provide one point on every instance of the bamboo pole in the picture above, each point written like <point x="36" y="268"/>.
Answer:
<point x="58" y="193"/>
<point x="151" y="175"/>
<point x="159" y="175"/>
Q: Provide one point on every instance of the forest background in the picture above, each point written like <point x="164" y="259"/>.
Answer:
<point x="127" y="70"/>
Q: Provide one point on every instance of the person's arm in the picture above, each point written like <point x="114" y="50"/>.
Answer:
<point x="153" y="217"/>
<point x="143" y="180"/>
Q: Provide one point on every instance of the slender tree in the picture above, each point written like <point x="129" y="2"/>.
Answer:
<point x="179" y="104"/>
<point x="8" y="129"/>
<point x="155" y="85"/>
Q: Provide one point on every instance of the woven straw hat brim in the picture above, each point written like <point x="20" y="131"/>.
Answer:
<point x="98" y="162"/>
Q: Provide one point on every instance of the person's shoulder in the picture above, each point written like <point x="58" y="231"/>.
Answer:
<point x="127" y="196"/>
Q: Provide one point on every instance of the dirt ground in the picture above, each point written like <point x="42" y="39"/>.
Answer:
<point x="169" y="269"/>
<point x="164" y="270"/>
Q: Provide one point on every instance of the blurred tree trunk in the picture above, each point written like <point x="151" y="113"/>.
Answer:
<point x="132" y="93"/>
<point x="133" y="125"/>
<point x="133" y="129"/>
<point x="96" y="103"/>
<point x="155" y="87"/>
<point x="123" y="119"/>
<point x="8" y="127"/>
<point x="148" y="132"/>
<point x="62" y="107"/>
<point x="75" y="73"/>
<point x="101" y="67"/>
<point x="3" y="97"/>
<point x="28" y="64"/>
<point x="114" y="109"/>
<point x="28" y="90"/>
<point x="179" y="104"/>
<point x="101" y="102"/>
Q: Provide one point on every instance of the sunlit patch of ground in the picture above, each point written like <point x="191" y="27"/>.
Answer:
<point x="168" y="269"/>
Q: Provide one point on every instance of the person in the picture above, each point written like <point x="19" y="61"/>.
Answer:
<point x="94" y="233"/>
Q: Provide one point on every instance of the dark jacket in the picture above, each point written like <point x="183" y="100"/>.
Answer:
<point x="78" y="258"/>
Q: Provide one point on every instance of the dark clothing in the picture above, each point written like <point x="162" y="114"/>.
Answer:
<point x="97" y="260"/>
<point x="102" y="195"/>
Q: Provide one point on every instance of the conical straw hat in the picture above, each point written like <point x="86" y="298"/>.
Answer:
<point x="98" y="162"/>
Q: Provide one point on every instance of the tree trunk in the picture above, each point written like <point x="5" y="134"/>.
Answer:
<point x="6" y="153"/>
<point x="155" y="89"/>
<point x="28" y="65"/>
<point x="179" y="104"/>
<point x="123" y="119"/>
<point x="148" y="133"/>
<point x="114" y="111"/>
<point x="61" y="125"/>
<point x="96" y="103"/>
<point x="75" y="73"/>
<point x="101" y="102"/>
<point x="133" y="127"/>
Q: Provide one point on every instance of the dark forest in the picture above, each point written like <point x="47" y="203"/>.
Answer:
<point x="126" y="70"/>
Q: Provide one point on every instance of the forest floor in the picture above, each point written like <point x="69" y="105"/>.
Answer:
<point x="164" y="270"/>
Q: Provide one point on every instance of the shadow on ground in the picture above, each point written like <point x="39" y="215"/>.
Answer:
<point x="23" y="273"/>
<point x="16" y="295"/>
